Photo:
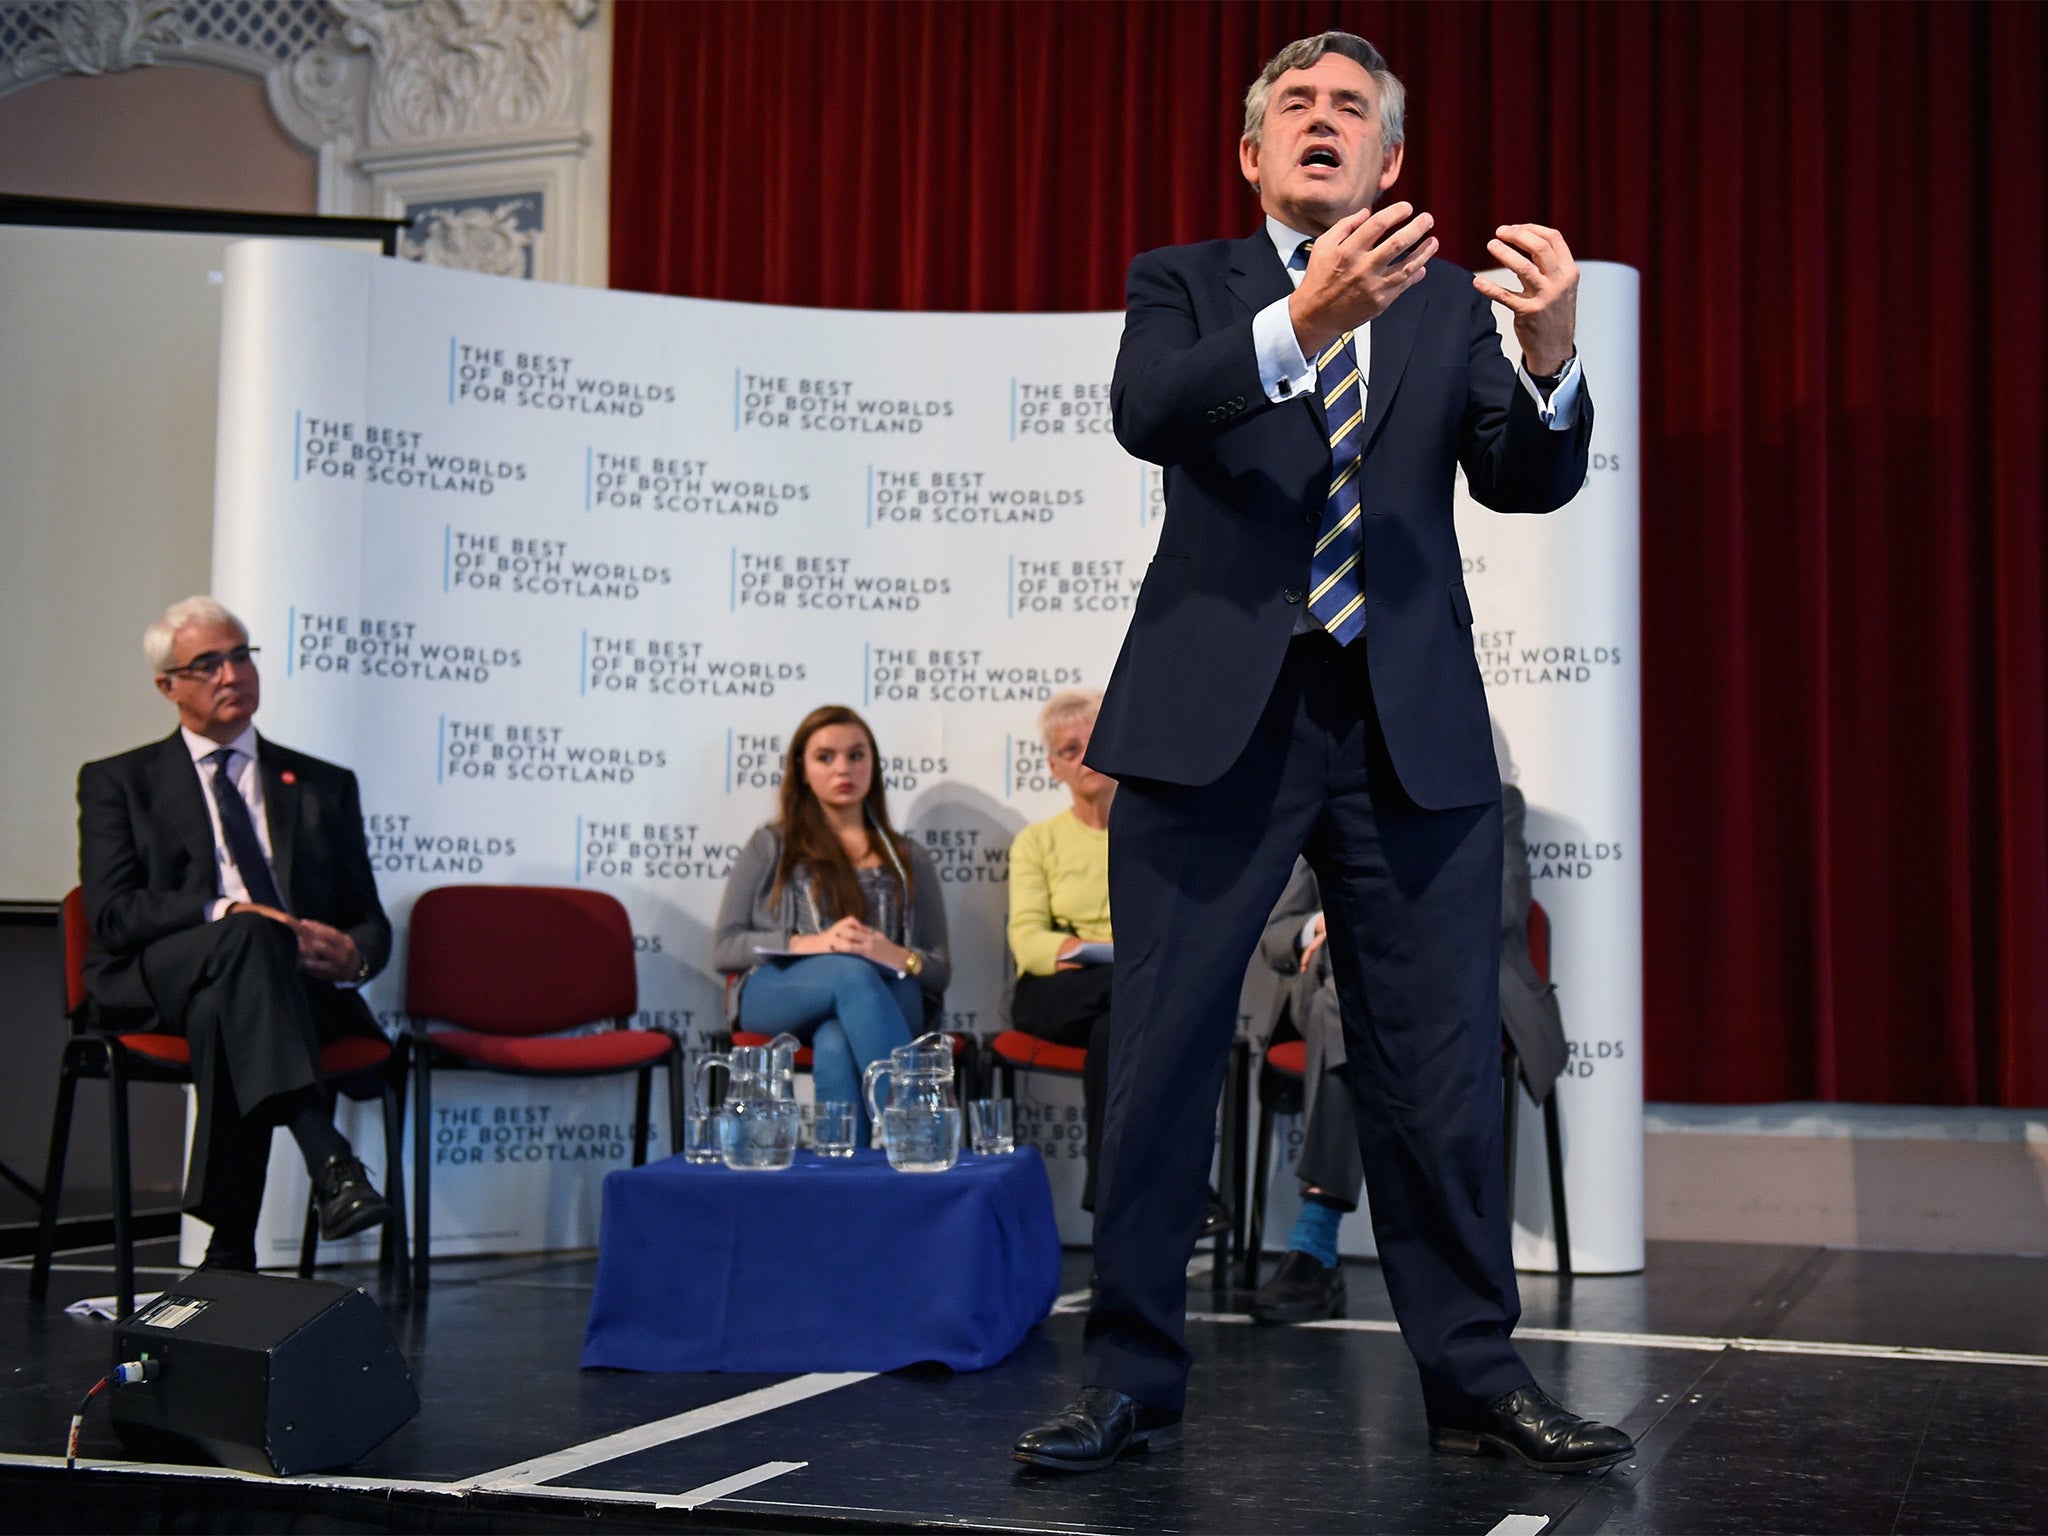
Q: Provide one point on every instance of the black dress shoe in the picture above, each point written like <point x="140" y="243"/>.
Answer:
<point x="240" y="1257"/>
<point x="1303" y="1290"/>
<point x="347" y="1201"/>
<point x="1093" y="1430"/>
<point x="1529" y="1426"/>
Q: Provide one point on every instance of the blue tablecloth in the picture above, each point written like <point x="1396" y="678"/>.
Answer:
<point x="824" y="1266"/>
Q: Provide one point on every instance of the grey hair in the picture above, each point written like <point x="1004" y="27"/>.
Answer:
<point x="160" y="638"/>
<point x="1303" y="53"/>
<point x="1067" y="705"/>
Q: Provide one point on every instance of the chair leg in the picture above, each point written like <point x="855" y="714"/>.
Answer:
<point x="124" y="1240"/>
<point x="1553" y="1144"/>
<point x="392" y="1255"/>
<point x="643" y="1099"/>
<point x="675" y="1100"/>
<point x="422" y="1152"/>
<point x="1255" y="1234"/>
<point x="309" y="1238"/>
<point x="53" y="1170"/>
<point x="1510" y="1117"/>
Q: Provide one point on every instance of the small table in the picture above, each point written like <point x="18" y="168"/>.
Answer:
<point x="826" y="1265"/>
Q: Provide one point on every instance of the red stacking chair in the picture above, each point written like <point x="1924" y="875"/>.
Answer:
<point x="510" y="969"/>
<point x="130" y="1052"/>
<point x="1511" y="1102"/>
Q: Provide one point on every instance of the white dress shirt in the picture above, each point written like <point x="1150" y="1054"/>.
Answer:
<point x="1284" y="372"/>
<point x="242" y="771"/>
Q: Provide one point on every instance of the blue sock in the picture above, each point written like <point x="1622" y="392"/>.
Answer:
<point x="1315" y="1232"/>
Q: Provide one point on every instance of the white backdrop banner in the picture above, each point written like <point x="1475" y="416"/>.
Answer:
<point x="557" y="571"/>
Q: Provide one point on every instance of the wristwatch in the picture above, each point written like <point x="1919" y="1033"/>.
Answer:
<point x="913" y="963"/>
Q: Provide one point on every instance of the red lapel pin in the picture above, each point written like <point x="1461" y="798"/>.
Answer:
<point x="289" y="777"/>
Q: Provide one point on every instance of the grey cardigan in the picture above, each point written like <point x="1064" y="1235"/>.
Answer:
<point x="753" y="915"/>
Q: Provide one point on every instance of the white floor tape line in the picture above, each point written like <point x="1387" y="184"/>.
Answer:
<point x="1701" y="1342"/>
<point x="1519" y="1525"/>
<point x="681" y="1426"/>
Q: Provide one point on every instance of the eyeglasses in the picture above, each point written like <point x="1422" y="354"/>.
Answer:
<point x="207" y="664"/>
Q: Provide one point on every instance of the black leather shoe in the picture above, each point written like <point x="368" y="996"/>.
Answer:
<point x="1536" y="1431"/>
<point x="1303" y="1290"/>
<point x="346" y="1200"/>
<point x="1098" y="1426"/>
<point x="240" y="1257"/>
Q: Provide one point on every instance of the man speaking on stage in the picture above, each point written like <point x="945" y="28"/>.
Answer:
<point x="1299" y="677"/>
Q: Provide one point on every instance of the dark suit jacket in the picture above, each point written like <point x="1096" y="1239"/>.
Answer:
<point x="1246" y="481"/>
<point x="146" y="857"/>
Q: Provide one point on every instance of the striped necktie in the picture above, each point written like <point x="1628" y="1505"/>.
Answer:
<point x="1336" y="596"/>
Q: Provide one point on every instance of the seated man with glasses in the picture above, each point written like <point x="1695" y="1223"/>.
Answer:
<point x="228" y="892"/>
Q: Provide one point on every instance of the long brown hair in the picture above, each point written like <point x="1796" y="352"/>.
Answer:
<point x="808" y="839"/>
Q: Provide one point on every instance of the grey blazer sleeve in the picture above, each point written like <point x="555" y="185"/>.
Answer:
<point x="1277" y="943"/>
<point x="747" y="917"/>
<point x="927" y="932"/>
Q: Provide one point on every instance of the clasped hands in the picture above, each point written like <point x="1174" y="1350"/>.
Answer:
<point x="851" y="936"/>
<point x="325" y="952"/>
<point x="1368" y="259"/>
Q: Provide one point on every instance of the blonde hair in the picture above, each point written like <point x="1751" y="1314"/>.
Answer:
<point x="1069" y="704"/>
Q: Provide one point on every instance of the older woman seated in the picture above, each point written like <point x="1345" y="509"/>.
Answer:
<point x="1059" y="901"/>
<point x="852" y="909"/>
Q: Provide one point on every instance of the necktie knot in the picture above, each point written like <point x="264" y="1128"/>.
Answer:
<point x="223" y="759"/>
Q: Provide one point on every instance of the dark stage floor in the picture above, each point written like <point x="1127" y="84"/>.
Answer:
<point x="1772" y="1389"/>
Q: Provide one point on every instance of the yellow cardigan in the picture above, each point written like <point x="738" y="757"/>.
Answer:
<point x="1059" y="887"/>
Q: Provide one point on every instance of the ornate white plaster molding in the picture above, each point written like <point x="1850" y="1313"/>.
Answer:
<point x="409" y="105"/>
<point x="448" y="70"/>
<point x="474" y="239"/>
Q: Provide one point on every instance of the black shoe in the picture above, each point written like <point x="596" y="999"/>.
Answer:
<point x="1098" y="1426"/>
<point x="1303" y="1290"/>
<point x="230" y="1254"/>
<point x="1527" y="1425"/>
<point x="347" y="1201"/>
<point x="1216" y="1216"/>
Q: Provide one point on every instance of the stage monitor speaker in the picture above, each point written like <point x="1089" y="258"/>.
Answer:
<point x="262" y="1373"/>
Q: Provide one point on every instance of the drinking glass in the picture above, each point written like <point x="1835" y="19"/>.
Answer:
<point x="994" y="1132"/>
<point x="832" y="1126"/>
<point x="700" y="1136"/>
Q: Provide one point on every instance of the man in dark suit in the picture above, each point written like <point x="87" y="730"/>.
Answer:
<point x="1299" y="678"/>
<point x="229" y="895"/>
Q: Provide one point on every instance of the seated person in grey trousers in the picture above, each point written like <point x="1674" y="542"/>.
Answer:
<point x="229" y="898"/>
<point x="1309" y="1284"/>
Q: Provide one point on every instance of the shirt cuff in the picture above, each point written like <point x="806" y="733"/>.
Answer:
<point x="217" y="908"/>
<point x="1560" y="412"/>
<point x="1308" y="932"/>
<point x="1283" y="372"/>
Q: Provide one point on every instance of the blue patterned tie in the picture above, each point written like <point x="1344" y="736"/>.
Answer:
<point x="239" y="828"/>
<point x="1336" y="596"/>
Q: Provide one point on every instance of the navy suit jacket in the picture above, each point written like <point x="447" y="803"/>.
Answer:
<point x="1246" y="480"/>
<point x="148" y="870"/>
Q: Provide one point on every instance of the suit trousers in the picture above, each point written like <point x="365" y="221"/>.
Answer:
<point x="233" y="989"/>
<point x="1412" y="901"/>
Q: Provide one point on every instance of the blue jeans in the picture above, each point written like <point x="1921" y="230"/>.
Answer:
<point x="850" y="1011"/>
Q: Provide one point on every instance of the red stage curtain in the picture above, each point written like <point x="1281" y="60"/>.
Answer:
<point x="1837" y="209"/>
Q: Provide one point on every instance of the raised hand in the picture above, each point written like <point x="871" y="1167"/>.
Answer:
<point x="1360" y="265"/>
<point x="1546" y="311"/>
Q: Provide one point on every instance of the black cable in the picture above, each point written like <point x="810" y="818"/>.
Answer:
<point x="125" y="1374"/>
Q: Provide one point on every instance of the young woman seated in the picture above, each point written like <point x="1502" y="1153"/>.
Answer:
<point x="851" y="910"/>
